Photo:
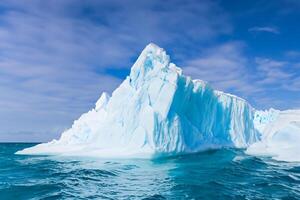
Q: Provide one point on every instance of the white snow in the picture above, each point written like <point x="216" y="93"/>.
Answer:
<point x="102" y="101"/>
<point x="280" y="135"/>
<point x="157" y="110"/>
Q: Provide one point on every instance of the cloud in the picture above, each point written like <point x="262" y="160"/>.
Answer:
<point x="265" y="82"/>
<point x="55" y="55"/>
<point x="292" y="54"/>
<point x="264" y="29"/>
<point x="225" y="67"/>
<point x="272" y="71"/>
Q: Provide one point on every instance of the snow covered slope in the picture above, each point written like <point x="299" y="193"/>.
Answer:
<point x="280" y="135"/>
<point x="157" y="110"/>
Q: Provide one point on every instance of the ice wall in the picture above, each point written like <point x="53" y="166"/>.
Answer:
<point x="157" y="110"/>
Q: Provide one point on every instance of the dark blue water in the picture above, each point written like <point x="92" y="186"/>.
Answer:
<point x="219" y="174"/>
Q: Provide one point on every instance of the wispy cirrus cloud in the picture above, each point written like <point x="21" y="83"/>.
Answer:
<point x="55" y="56"/>
<point x="272" y="71"/>
<point x="225" y="67"/>
<point x="262" y="81"/>
<point x="292" y="54"/>
<point x="266" y="29"/>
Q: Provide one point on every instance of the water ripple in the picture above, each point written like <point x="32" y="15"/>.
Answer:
<point x="216" y="174"/>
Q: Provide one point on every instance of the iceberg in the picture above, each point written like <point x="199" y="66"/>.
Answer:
<point x="159" y="111"/>
<point x="280" y="135"/>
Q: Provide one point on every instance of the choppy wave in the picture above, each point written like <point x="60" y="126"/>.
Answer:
<point x="217" y="174"/>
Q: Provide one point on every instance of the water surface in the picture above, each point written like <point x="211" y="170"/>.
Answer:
<point x="217" y="174"/>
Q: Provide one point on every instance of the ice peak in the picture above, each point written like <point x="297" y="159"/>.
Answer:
<point x="152" y="46"/>
<point x="152" y="58"/>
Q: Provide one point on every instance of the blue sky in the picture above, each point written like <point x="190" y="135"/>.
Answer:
<point x="57" y="57"/>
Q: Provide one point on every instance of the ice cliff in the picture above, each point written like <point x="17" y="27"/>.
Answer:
<point x="157" y="110"/>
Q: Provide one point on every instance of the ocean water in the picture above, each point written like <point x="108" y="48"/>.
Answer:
<point x="216" y="174"/>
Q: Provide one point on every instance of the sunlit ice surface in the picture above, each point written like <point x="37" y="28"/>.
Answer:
<point x="157" y="109"/>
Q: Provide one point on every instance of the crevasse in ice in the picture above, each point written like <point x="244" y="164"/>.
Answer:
<point x="157" y="110"/>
